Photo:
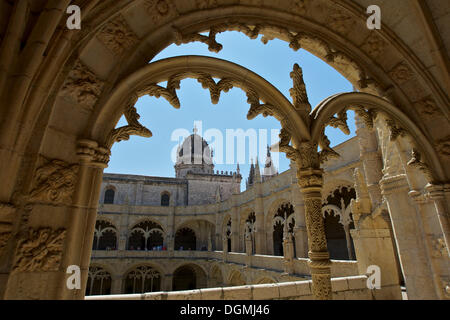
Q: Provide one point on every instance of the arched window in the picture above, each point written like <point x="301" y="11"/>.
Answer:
<point x="105" y="236"/>
<point x="338" y="222"/>
<point x="143" y="279"/>
<point x="99" y="282"/>
<point x="146" y="235"/>
<point x="165" y="199"/>
<point x="185" y="239"/>
<point x="284" y="213"/>
<point x="109" y="196"/>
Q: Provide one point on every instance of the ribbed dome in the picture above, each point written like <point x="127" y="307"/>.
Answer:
<point x="194" y="150"/>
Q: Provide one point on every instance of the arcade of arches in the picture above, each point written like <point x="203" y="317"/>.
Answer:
<point x="381" y="198"/>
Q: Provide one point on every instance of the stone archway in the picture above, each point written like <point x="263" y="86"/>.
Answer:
<point x="189" y="277"/>
<point x="387" y="60"/>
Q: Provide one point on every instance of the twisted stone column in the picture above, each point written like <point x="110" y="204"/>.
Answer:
<point x="311" y="181"/>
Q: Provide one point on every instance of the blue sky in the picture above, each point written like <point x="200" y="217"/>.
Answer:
<point x="273" y="61"/>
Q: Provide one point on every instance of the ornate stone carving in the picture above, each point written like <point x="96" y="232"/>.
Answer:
<point x="89" y="151"/>
<point x="417" y="163"/>
<point x="214" y="88"/>
<point x="298" y="92"/>
<point x="321" y="286"/>
<point x="327" y="152"/>
<point x="428" y="107"/>
<point x="283" y="146"/>
<point x="210" y="40"/>
<point x="4" y="238"/>
<point x="443" y="146"/>
<point x="299" y="6"/>
<point x="316" y="238"/>
<point x="340" y="122"/>
<point x="206" y="4"/>
<point x="374" y="45"/>
<point x="401" y="73"/>
<point x="394" y="130"/>
<point x="439" y="247"/>
<point x="368" y="117"/>
<point x="41" y="250"/>
<point x="169" y="93"/>
<point x="308" y="156"/>
<point x="340" y="21"/>
<point x="133" y="127"/>
<point x="82" y="85"/>
<point x="160" y="9"/>
<point x="256" y="107"/>
<point x="117" y="35"/>
<point x="54" y="182"/>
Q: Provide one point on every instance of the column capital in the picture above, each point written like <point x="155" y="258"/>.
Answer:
<point x="435" y="191"/>
<point x="310" y="178"/>
<point x="418" y="196"/>
<point x="90" y="153"/>
<point x="391" y="184"/>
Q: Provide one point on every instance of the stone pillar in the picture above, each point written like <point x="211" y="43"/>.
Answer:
<point x="371" y="159"/>
<point x="170" y="236"/>
<point x="437" y="256"/>
<point x="436" y="193"/>
<point x="218" y="241"/>
<point x="409" y="237"/>
<point x="167" y="283"/>
<point x="373" y="241"/>
<point x="248" y="249"/>
<point x="311" y="181"/>
<point x="259" y="234"/>
<point x="288" y="250"/>
<point x="234" y="230"/>
<point x="62" y="217"/>
<point x="300" y="234"/>
<point x="116" y="284"/>
<point x="225" y="248"/>
<point x="373" y="246"/>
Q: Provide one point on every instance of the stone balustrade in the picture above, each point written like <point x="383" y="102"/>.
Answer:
<point x="339" y="268"/>
<point x="344" y="288"/>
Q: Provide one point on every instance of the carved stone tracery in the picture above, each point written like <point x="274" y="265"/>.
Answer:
<point x="295" y="38"/>
<point x="41" y="250"/>
<point x="117" y="36"/>
<point x="54" y="182"/>
<point x="82" y="85"/>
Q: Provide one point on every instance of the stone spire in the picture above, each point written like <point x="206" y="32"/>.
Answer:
<point x="269" y="168"/>
<point x="251" y="175"/>
<point x="257" y="172"/>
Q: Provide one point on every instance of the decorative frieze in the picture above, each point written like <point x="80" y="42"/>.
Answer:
<point x="341" y="22"/>
<point x="206" y="4"/>
<point x="161" y="9"/>
<point x="4" y="238"/>
<point x="54" y="182"/>
<point x="428" y="107"/>
<point x="82" y="85"/>
<point x="443" y="146"/>
<point x="40" y="250"/>
<point x="401" y="73"/>
<point x="439" y="247"/>
<point x="374" y="45"/>
<point x="117" y="36"/>
<point x="299" y="6"/>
